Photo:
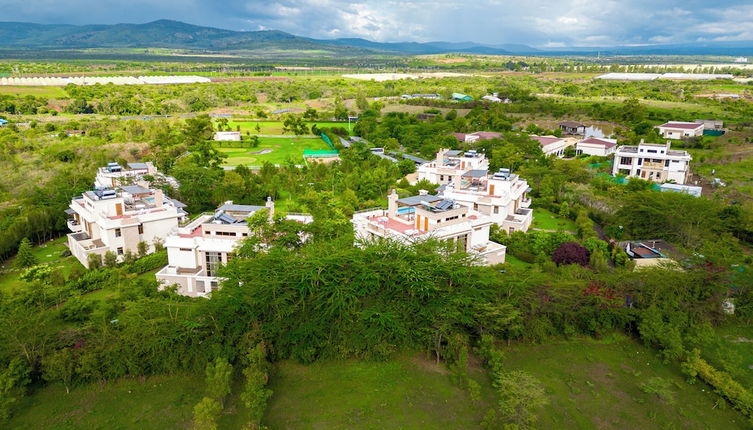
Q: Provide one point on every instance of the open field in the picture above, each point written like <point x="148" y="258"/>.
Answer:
<point x="275" y="127"/>
<point x="48" y="253"/>
<point x="404" y="393"/>
<point x="49" y="92"/>
<point x="597" y="385"/>
<point x="275" y="150"/>
<point x="546" y="220"/>
<point x="736" y="348"/>
<point x="157" y="402"/>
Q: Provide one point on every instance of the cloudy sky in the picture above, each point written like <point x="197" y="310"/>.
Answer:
<point x="542" y="23"/>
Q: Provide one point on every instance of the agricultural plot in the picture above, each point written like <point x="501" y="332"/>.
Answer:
<point x="275" y="150"/>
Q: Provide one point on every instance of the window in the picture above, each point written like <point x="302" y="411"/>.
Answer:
<point x="475" y="206"/>
<point x="186" y="249"/>
<point x="652" y="151"/>
<point x="212" y="260"/>
<point x="120" y="251"/>
<point x="496" y="209"/>
<point x="117" y="232"/>
<point x="224" y="233"/>
<point x="640" y="161"/>
<point x="626" y="160"/>
<point x="141" y="228"/>
<point x="666" y="163"/>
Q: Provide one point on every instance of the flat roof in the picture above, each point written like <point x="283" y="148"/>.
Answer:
<point x="683" y="125"/>
<point x="135" y="189"/>
<point x="231" y="207"/>
<point x="417" y="200"/>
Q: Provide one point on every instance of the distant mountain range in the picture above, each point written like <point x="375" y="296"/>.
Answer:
<point x="180" y="35"/>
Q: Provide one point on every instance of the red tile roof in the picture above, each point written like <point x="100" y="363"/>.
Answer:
<point x="596" y="141"/>
<point x="487" y="135"/>
<point x="682" y="125"/>
<point x="544" y="141"/>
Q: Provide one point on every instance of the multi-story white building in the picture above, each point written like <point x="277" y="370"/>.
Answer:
<point x="118" y="220"/>
<point x="681" y="130"/>
<point x="653" y="162"/>
<point x="423" y="217"/>
<point x="114" y="175"/>
<point x="502" y="196"/>
<point x="451" y="163"/>
<point x="196" y="251"/>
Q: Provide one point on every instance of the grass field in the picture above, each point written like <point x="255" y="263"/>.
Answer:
<point x="48" y="92"/>
<point x="597" y="385"/>
<point x="736" y="347"/>
<point x="546" y="220"/>
<point x="275" y="127"/>
<point x="159" y="402"/>
<point x="274" y="150"/>
<point x="516" y="262"/>
<point x="47" y="253"/>
<point x="405" y="393"/>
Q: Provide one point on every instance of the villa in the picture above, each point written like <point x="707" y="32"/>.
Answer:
<point x="425" y="217"/>
<point x="117" y="220"/>
<point x="450" y="163"/>
<point x="681" y="130"/>
<point x="653" y="162"/>
<point x="197" y="250"/>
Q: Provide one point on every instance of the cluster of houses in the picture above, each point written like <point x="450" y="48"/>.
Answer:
<point x="126" y="213"/>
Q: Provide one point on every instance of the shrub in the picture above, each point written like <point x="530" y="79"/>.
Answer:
<point x="570" y="253"/>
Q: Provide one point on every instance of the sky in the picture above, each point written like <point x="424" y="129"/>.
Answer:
<point x="538" y="23"/>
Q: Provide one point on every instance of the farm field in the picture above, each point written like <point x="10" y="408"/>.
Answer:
<point x="274" y="150"/>
<point x="546" y="220"/>
<point x="157" y="402"/>
<point x="275" y="127"/>
<point x="597" y="385"/>
<point x="405" y="393"/>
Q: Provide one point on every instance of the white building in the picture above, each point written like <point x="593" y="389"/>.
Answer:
<point x="680" y="130"/>
<point x="117" y="220"/>
<point x="502" y="196"/>
<point x="196" y="251"/>
<point x="425" y="217"/>
<point x="450" y="163"/>
<point x="552" y="145"/>
<point x="476" y="136"/>
<point x="653" y="162"/>
<point x="227" y="136"/>
<point x="596" y="146"/>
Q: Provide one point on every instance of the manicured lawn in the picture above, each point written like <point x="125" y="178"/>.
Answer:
<point x="404" y="393"/>
<point x="546" y="220"/>
<point x="273" y="150"/>
<point x="275" y="127"/>
<point x="158" y="402"/>
<point x="597" y="385"/>
<point x="47" y="253"/>
<point x="516" y="262"/>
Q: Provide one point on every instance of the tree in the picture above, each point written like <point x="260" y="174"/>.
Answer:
<point x="205" y="414"/>
<point x="94" y="261"/>
<point x="111" y="259"/>
<point x="142" y="248"/>
<point x="218" y="379"/>
<point x="521" y="395"/>
<point x="59" y="366"/>
<point x="25" y="258"/>
<point x="570" y="253"/>
<point x="406" y="167"/>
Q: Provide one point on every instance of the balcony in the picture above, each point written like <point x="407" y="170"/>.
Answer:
<point x="525" y="203"/>
<point x="519" y="221"/>
<point x="75" y="226"/>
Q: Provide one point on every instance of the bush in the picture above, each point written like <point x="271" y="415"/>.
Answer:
<point x="570" y="253"/>
<point x="722" y="382"/>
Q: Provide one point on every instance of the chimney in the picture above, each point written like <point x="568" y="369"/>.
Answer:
<point x="159" y="198"/>
<point x="440" y="156"/>
<point x="392" y="204"/>
<point x="271" y="206"/>
<point x="229" y="202"/>
<point x="456" y="181"/>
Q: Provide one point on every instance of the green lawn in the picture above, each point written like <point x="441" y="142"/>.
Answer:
<point x="733" y="352"/>
<point x="516" y="262"/>
<point x="404" y="393"/>
<point x="47" y="253"/>
<point x="597" y="385"/>
<point x="275" y="127"/>
<point x="546" y="220"/>
<point x="274" y="150"/>
<point x="159" y="402"/>
<point x="48" y="92"/>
